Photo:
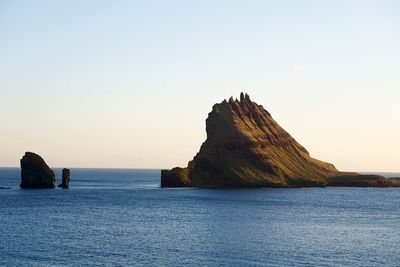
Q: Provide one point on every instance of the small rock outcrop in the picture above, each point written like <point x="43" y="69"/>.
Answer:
<point x="66" y="177"/>
<point x="395" y="181"/>
<point x="359" y="180"/>
<point x="35" y="173"/>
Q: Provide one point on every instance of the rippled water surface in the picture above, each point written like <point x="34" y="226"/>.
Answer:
<point x="122" y="218"/>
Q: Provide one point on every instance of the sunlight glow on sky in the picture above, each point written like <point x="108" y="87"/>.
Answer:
<point x="130" y="83"/>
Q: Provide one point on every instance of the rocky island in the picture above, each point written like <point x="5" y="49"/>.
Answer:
<point x="66" y="177"/>
<point x="35" y="173"/>
<point x="246" y="147"/>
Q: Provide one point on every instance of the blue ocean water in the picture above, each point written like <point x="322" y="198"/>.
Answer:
<point x="116" y="217"/>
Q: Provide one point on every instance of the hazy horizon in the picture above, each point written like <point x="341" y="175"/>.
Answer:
<point x="100" y="84"/>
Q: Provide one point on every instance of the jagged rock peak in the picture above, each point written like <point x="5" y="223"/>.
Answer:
<point x="243" y="107"/>
<point x="241" y="97"/>
<point x="244" y="97"/>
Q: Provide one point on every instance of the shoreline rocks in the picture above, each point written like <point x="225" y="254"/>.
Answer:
<point x="359" y="180"/>
<point x="395" y="181"/>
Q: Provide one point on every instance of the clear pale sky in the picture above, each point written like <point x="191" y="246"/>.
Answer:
<point x="130" y="83"/>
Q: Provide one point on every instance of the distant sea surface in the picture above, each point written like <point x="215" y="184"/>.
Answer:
<point x="118" y="217"/>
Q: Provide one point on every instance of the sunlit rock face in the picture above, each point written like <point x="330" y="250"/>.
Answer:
<point x="246" y="147"/>
<point x="35" y="173"/>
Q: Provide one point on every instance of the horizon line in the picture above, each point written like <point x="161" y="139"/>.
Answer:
<point x="154" y="168"/>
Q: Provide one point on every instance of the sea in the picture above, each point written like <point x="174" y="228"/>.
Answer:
<point x="121" y="217"/>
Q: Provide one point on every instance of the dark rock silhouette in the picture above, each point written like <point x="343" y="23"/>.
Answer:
<point x="66" y="174"/>
<point x="35" y="173"/>
<point x="246" y="147"/>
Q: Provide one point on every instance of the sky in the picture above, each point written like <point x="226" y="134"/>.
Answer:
<point x="129" y="84"/>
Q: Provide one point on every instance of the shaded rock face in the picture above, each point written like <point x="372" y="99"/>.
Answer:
<point x="35" y="173"/>
<point x="66" y="174"/>
<point x="246" y="147"/>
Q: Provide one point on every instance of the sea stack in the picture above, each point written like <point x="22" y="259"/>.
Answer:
<point x="35" y="173"/>
<point x="246" y="147"/>
<point x="66" y="174"/>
